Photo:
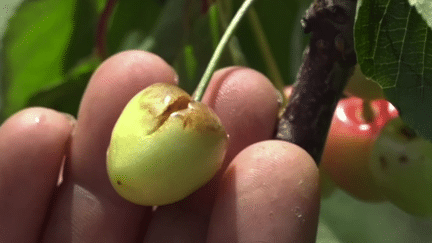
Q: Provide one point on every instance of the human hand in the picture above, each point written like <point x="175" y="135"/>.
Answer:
<point x="266" y="191"/>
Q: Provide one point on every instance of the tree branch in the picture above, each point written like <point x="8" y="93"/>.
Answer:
<point x="328" y="63"/>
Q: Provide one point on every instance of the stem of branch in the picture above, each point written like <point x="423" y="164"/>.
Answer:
<point x="328" y="63"/>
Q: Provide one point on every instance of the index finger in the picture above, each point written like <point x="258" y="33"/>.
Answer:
<point x="87" y="209"/>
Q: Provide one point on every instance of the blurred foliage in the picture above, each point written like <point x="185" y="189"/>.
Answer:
<point x="48" y="54"/>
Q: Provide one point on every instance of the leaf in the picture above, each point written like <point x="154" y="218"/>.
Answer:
<point x="394" y="48"/>
<point x="197" y="48"/>
<point x="424" y="8"/>
<point x="132" y="21"/>
<point x="82" y="40"/>
<point x="190" y="61"/>
<point x="167" y="35"/>
<point x="43" y="40"/>
<point x="7" y="9"/>
<point x="281" y="24"/>
<point x="66" y="96"/>
<point x="201" y="40"/>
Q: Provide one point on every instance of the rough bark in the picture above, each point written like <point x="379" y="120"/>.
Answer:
<point x="328" y="63"/>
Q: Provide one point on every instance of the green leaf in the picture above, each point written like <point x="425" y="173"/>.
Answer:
<point x="199" y="49"/>
<point x="281" y="24"/>
<point x="424" y="8"/>
<point x="132" y="21"/>
<point x="7" y="10"/>
<point x="190" y="61"/>
<point x="43" y="41"/>
<point x="82" y="39"/>
<point x="66" y="96"/>
<point x="394" y="48"/>
<point x="168" y="34"/>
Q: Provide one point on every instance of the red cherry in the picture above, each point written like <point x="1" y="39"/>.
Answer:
<point x="350" y="142"/>
<point x="349" y="145"/>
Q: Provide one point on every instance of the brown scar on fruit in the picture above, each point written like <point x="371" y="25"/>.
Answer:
<point x="187" y="122"/>
<point x="383" y="162"/>
<point x="202" y="123"/>
<point x="403" y="159"/>
<point x="180" y="103"/>
<point x="408" y="133"/>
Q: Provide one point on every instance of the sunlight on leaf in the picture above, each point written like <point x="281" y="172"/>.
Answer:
<point x="424" y="7"/>
<point x="40" y="45"/>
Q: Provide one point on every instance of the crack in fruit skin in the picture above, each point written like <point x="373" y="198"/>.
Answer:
<point x="164" y="146"/>
<point x="179" y="104"/>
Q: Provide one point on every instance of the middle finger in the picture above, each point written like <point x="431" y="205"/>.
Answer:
<point x="246" y="103"/>
<point x="87" y="209"/>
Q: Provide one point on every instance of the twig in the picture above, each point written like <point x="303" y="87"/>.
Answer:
<point x="328" y="63"/>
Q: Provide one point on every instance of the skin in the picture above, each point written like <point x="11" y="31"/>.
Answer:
<point x="280" y="177"/>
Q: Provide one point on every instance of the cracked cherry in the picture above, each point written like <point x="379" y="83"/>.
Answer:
<point x="164" y="146"/>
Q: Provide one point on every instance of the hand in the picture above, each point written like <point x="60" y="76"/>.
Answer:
<point x="267" y="191"/>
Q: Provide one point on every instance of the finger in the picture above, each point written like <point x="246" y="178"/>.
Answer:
<point x="246" y="103"/>
<point x="32" y="145"/>
<point x="269" y="193"/>
<point x="87" y="208"/>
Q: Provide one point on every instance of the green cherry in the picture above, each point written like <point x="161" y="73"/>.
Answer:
<point x="402" y="166"/>
<point x="164" y="146"/>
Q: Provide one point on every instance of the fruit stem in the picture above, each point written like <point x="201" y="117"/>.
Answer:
<point x="205" y="80"/>
<point x="367" y="111"/>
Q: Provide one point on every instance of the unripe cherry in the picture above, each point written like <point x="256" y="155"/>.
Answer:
<point x="164" y="146"/>
<point x="402" y="167"/>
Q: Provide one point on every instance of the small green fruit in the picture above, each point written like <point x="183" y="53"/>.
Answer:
<point x="401" y="164"/>
<point x="164" y="146"/>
